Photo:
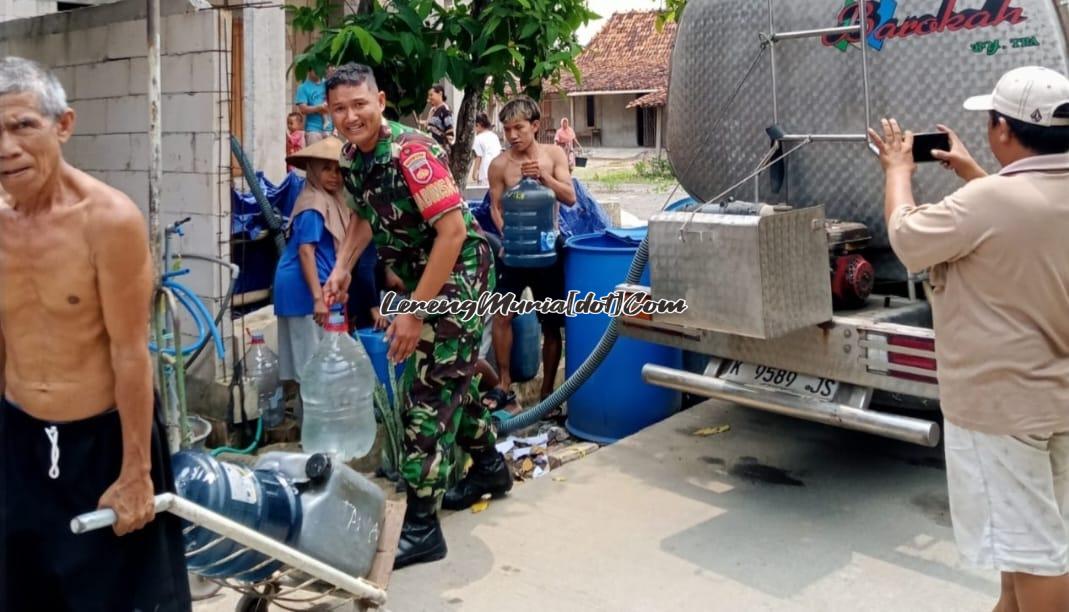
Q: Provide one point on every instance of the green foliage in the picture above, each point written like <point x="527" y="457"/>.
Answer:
<point x="389" y="415"/>
<point x="655" y="168"/>
<point x="673" y="9"/>
<point x="509" y="46"/>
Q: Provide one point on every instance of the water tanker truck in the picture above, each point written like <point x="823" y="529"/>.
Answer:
<point x="792" y="290"/>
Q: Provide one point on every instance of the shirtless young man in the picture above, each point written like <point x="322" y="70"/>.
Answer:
<point x="77" y="423"/>
<point x="549" y="165"/>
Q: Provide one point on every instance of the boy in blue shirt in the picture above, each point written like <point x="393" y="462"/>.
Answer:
<point x="311" y="101"/>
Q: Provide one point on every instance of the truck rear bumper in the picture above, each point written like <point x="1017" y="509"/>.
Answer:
<point x="907" y="429"/>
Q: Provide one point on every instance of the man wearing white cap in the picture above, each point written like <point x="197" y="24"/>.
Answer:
<point x="998" y="254"/>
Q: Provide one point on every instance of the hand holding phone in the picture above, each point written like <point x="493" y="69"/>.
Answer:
<point x="924" y="143"/>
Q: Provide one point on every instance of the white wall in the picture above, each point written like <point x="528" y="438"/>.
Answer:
<point x="99" y="54"/>
<point x="265" y="78"/>
<point x="617" y="122"/>
<point x="20" y="9"/>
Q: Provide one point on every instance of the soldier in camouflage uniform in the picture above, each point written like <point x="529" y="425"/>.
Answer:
<point x="405" y="198"/>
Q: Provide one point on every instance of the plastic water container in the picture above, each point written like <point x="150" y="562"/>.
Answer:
<point x="526" y="354"/>
<point x="342" y="509"/>
<point x="614" y="402"/>
<point x="261" y="374"/>
<point x="337" y="389"/>
<point x="262" y="500"/>
<point x="377" y="348"/>
<point x="530" y="236"/>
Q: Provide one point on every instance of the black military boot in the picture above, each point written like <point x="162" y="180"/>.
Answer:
<point x="421" y="540"/>
<point x="489" y="473"/>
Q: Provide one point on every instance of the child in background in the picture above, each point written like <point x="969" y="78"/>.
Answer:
<point x="294" y="136"/>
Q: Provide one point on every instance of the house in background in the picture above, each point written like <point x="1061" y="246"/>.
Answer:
<point x="620" y="100"/>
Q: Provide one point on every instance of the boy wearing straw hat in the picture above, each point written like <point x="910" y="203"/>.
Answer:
<point x="316" y="228"/>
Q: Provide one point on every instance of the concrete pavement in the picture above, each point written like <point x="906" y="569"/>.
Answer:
<point x="776" y="514"/>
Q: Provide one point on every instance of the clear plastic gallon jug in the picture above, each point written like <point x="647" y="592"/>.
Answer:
<point x="337" y="390"/>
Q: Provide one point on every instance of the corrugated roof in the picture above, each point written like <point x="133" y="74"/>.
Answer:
<point x="628" y="54"/>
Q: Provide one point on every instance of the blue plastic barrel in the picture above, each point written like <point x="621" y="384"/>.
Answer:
<point x="614" y="402"/>
<point x="377" y="350"/>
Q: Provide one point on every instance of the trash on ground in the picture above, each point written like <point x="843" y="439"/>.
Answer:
<point x="712" y="431"/>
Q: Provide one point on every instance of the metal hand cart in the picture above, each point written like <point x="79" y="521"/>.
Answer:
<point x="300" y="584"/>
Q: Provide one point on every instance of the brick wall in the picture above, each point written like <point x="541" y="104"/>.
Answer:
<point x="99" y="54"/>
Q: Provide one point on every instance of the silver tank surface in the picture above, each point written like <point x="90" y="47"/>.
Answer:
<point x="924" y="58"/>
<point x="342" y="510"/>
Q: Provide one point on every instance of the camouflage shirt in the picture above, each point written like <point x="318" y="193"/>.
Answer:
<point x="402" y="189"/>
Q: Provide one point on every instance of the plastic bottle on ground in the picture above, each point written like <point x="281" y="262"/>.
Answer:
<point x="261" y="370"/>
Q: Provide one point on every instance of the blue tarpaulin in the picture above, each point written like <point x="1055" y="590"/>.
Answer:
<point x="247" y="221"/>
<point x="258" y="257"/>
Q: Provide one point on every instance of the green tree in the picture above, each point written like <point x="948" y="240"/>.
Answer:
<point x="502" y="47"/>
<point x="673" y="9"/>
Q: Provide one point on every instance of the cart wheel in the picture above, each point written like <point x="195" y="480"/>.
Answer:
<point x="257" y="603"/>
<point x="202" y="588"/>
<point x="252" y="603"/>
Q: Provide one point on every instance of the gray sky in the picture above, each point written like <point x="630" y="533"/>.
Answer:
<point x="605" y="8"/>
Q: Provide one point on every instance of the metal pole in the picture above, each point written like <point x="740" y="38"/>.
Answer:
<point x="772" y="62"/>
<point x="155" y="176"/>
<point x="169" y="502"/>
<point x="155" y="134"/>
<point x="863" y="22"/>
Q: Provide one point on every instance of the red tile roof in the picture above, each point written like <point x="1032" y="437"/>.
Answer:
<point x="627" y="54"/>
<point x="657" y="98"/>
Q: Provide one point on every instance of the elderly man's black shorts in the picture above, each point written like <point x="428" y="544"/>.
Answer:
<point x="47" y="477"/>
<point x="545" y="283"/>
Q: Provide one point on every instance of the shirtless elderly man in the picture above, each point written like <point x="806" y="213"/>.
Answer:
<point x="77" y="417"/>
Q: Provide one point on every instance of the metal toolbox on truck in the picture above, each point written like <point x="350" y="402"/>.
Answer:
<point x="750" y="275"/>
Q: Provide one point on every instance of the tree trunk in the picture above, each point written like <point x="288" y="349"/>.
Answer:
<point x="464" y="127"/>
<point x="460" y="160"/>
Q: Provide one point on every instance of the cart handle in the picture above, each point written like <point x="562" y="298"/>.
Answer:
<point x="250" y="538"/>
<point x="99" y="519"/>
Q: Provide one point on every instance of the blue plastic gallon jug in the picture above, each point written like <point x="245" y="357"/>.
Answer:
<point x="260" y="499"/>
<point x="530" y="235"/>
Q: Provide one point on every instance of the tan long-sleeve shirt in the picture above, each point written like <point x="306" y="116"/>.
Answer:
<point x="998" y="253"/>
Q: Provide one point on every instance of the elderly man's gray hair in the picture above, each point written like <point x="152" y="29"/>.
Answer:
<point x="18" y="75"/>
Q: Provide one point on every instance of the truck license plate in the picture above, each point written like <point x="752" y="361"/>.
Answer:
<point x="751" y="374"/>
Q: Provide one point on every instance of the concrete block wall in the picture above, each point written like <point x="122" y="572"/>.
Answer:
<point x="99" y="54"/>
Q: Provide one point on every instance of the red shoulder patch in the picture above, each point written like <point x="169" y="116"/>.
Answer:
<point x="429" y="180"/>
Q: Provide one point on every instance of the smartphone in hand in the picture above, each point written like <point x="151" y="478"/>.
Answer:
<point x="924" y="143"/>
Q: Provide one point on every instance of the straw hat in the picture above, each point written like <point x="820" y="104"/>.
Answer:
<point x="329" y="149"/>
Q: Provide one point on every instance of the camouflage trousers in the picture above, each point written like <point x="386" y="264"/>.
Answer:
<point x="444" y="407"/>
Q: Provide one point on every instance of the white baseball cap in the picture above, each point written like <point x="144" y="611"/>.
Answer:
<point x="1030" y="94"/>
